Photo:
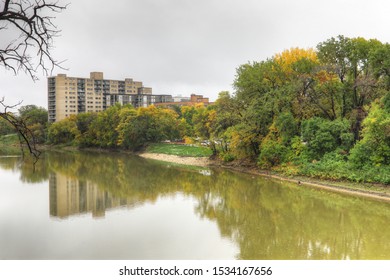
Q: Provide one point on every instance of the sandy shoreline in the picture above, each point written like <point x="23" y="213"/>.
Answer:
<point x="204" y="161"/>
<point x="195" y="161"/>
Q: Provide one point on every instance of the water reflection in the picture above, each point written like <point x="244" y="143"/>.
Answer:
<point x="125" y="182"/>
<point x="266" y="219"/>
<point x="70" y="196"/>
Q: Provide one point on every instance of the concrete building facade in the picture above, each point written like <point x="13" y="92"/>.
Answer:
<point x="71" y="95"/>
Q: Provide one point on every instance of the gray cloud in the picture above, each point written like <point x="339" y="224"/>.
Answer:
<point x="186" y="46"/>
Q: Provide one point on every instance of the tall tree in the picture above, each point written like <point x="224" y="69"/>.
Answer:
<point x="380" y="58"/>
<point x="33" y="114"/>
<point x="353" y="60"/>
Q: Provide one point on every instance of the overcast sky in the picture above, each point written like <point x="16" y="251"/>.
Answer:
<point x="180" y="47"/>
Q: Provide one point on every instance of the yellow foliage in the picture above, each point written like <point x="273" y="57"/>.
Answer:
<point x="189" y="140"/>
<point x="186" y="109"/>
<point x="156" y="111"/>
<point x="199" y="105"/>
<point x="211" y="118"/>
<point x="288" y="57"/>
<point x="73" y="118"/>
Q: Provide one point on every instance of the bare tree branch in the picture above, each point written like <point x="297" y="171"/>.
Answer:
<point x="29" y="25"/>
<point x="30" y="49"/>
<point x="25" y="134"/>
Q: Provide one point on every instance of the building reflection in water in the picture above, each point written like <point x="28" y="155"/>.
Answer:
<point x="70" y="196"/>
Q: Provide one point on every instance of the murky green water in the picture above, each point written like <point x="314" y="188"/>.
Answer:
<point x="111" y="206"/>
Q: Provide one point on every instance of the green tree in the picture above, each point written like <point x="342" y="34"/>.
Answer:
<point x="103" y="128"/>
<point x="258" y="82"/>
<point x="275" y="147"/>
<point x="147" y="125"/>
<point x="36" y="119"/>
<point x="228" y="114"/>
<point x="187" y="114"/>
<point x="354" y="61"/>
<point x="374" y="147"/>
<point x="6" y="127"/>
<point x="380" y="58"/>
<point x="32" y="114"/>
<point x="83" y="122"/>
<point x="272" y="150"/>
<point x="323" y="136"/>
<point x="287" y="127"/>
<point x="63" y="132"/>
<point x="258" y="86"/>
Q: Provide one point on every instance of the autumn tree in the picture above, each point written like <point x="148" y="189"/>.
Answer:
<point x="103" y="130"/>
<point x="64" y="131"/>
<point x="257" y="95"/>
<point x="288" y="58"/>
<point x="204" y="121"/>
<point x="147" y="125"/>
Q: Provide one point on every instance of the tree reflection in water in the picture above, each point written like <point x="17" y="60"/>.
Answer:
<point x="267" y="219"/>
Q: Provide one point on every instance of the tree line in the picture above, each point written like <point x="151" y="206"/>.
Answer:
<point x="319" y="112"/>
<point x="322" y="112"/>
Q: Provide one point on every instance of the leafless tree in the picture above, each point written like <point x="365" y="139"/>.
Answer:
<point x="27" y="31"/>
<point x="30" y="29"/>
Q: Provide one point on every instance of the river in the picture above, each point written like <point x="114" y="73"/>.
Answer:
<point x="79" y="205"/>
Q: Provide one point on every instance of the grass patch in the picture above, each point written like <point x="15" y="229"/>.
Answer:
<point x="179" y="150"/>
<point x="178" y="166"/>
<point x="9" y="145"/>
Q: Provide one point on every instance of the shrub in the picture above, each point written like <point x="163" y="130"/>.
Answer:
<point x="272" y="153"/>
<point x="323" y="136"/>
<point x="226" y="157"/>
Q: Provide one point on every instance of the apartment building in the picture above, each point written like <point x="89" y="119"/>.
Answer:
<point x="186" y="101"/>
<point x="71" y="95"/>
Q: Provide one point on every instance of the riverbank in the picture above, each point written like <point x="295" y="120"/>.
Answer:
<point x="378" y="192"/>
<point x="373" y="191"/>
<point x="193" y="161"/>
